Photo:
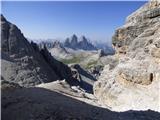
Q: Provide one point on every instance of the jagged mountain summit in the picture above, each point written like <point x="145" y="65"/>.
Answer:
<point x="69" y="55"/>
<point x="77" y="50"/>
<point x="133" y="81"/>
<point x="76" y="43"/>
<point x="20" y="61"/>
<point x="129" y="81"/>
<point x="26" y="64"/>
<point x="81" y="43"/>
<point x="59" y="51"/>
<point x="47" y="44"/>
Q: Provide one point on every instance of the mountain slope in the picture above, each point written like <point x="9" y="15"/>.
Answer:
<point x="26" y="64"/>
<point x="59" y="52"/>
<point x="21" y="63"/>
<point x="41" y="103"/>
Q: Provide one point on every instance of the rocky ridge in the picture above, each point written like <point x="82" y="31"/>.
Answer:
<point x="59" y="52"/>
<point x="81" y="43"/>
<point x="134" y="82"/>
<point x="26" y="64"/>
<point x="129" y="81"/>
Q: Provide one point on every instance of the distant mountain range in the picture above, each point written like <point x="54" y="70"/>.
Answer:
<point x="81" y="43"/>
<point x="106" y="47"/>
<point x="24" y="63"/>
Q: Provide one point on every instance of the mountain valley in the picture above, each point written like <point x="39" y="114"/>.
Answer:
<point x="79" y="80"/>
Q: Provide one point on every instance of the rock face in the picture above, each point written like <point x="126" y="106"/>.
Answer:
<point x="85" y="45"/>
<point x="85" y="78"/>
<point x="71" y="42"/>
<point x="81" y="44"/>
<point x="48" y="44"/>
<point x="23" y="62"/>
<point x="62" y="70"/>
<point x="139" y="25"/>
<point x="134" y="82"/>
<point x="106" y="47"/>
<point x="45" y="103"/>
<point x="59" y="52"/>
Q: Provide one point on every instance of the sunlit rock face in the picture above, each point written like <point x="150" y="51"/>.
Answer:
<point x="139" y="25"/>
<point x="134" y="82"/>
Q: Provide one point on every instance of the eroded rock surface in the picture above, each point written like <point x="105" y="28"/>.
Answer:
<point x="24" y="63"/>
<point x="46" y="102"/>
<point x="21" y="63"/>
<point x="134" y="82"/>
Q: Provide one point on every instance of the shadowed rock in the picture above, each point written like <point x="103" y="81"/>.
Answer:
<point x="24" y="63"/>
<point x="43" y="104"/>
<point x="83" y="43"/>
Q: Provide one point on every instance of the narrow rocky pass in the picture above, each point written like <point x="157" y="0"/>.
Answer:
<point x="75" y="80"/>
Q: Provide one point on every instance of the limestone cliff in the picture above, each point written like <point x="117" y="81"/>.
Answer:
<point x="134" y="82"/>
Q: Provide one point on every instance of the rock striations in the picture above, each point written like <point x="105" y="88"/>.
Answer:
<point x="134" y="82"/>
<point x="129" y="81"/>
<point x="26" y="64"/>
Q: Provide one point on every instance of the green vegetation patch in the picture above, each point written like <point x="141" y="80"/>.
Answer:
<point x="91" y="64"/>
<point x="72" y="60"/>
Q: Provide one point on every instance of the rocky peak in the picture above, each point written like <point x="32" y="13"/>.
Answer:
<point x="74" y="37"/>
<point x="21" y="60"/>
<point x="137" y="24"/>
<point x="13" y="41"/>
<point x="83" y="39"/>
<point x="83" y="43"/>
<point x="57" y="44"/>
<point x="3" y="18"/>
<point x="146" y="12"/>
<point x="24" y="63"/>
<point x="67" y="42"/>
<point x="48" y="44"/>
<point x="71" y="42"/>
<point x="74" y="40"/>
<point x="58" y="50"/>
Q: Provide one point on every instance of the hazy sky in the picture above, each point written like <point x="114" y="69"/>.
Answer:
<point x="95" y="20"/>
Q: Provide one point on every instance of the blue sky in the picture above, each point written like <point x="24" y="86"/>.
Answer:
<point x="95" y="20"/>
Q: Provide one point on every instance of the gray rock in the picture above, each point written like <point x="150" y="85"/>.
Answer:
<point x="133" y="80"/>
<point x="59" y="52"/>
<point x="61" y="70"/>
<point x="85" y="78"/>
<point x="85" y="45"/>
<point x="25" y="63"/>
<point x="82" y="43"/>
<point x="44" y="104"/>
<point x="21" y="62"/>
